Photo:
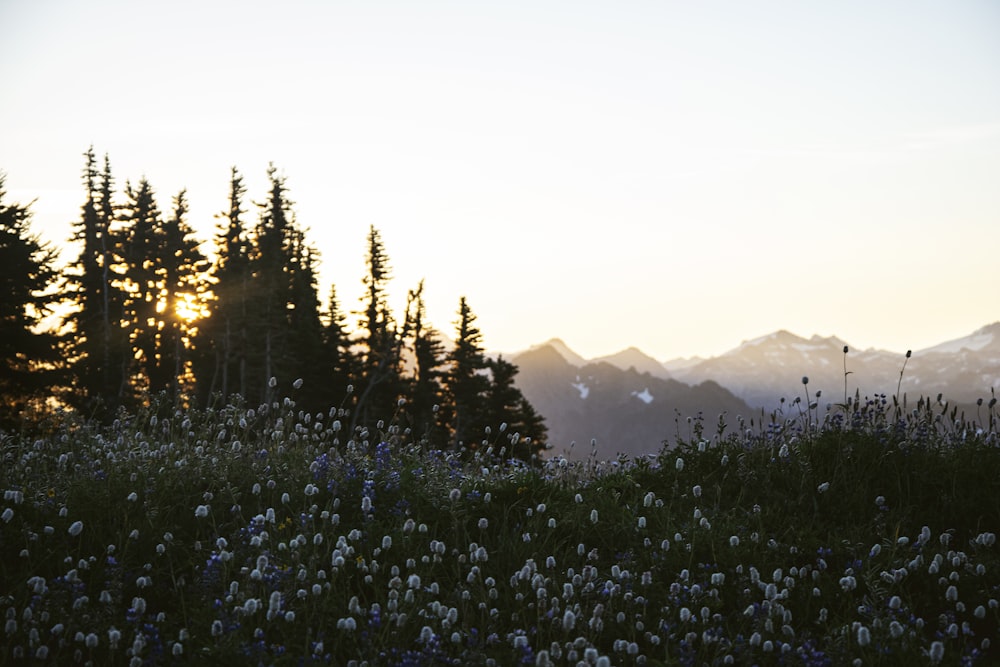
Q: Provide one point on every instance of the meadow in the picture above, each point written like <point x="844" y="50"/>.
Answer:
<point x="860" y="533"/>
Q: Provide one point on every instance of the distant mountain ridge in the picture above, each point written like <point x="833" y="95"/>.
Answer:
<point x="625" y="411"/>
<point x="630" y="402"/>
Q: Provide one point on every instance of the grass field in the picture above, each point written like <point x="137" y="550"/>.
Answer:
<point x="863" y="534"/>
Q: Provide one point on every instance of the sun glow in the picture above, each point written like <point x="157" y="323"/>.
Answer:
<point x="190" y="308"/>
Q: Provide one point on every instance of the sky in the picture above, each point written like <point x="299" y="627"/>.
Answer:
<point x="675" y="176"/>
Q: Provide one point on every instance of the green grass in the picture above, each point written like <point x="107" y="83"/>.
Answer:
<point x="268" y="537"/>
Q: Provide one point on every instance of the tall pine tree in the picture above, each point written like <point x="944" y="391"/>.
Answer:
<point x="180" y="271"/>
<point x="381" y="379"/>
<point x="339" y="363"/>
<point x="503" y="403"/>
<point x="30" y="358"/>
<point x="465" y="380"/>
<point x="98" y="347"/>
<point x="426" y="391"/>
<point x="222" y="351"/>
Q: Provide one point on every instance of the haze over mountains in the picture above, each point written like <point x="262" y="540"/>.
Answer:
<point x="630" y="402"/>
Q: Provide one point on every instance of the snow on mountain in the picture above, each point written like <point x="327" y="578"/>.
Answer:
<point x="643" y="396"/>
<point x="583" y="399"/>
<point x="580" y="387"/>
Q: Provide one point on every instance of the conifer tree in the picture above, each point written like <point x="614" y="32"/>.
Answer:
<point x="503" y="403"/>
<point x="97" y="348"/>
<point x="464" y="379"/>
<point x="180" y="270"/>
<point x="381" y="342"/>
<point x="223" y="339"/>
<point x="285" y="332"/>
<point x="339" y="363"/>
<point x="428" y="361"/>
<point x="305" y="340"/>
<point x="30" y="358"/>
<point x="141" y="247"/>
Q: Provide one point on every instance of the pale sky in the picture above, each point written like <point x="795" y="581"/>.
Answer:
<point x="677" y="176"/>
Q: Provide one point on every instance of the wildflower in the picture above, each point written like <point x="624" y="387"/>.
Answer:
<point x="297" y="384"/>
<point x="824" y="487"/>
<point x="201" y="511"/>
<point x="696" y="490"/>
<point x="679" y="464"/>
<point x="864" y="636"/>
<point x="7" y="515"/>
<point x="484" y="523"/>
<point x="272" y="383"/>
<point x="734" y="541"/>
<point x="593" y="516"/>
<point x="936" y="652"/>
<point x="75" y="528"/>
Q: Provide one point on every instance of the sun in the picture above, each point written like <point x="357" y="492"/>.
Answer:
<point x="189" y="308"/>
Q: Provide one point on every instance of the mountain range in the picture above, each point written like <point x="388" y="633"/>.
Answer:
<point x="631" y="403"/>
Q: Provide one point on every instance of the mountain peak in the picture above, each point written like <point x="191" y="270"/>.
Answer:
<point x="633" y="357"/>
<point x="980" y="339"/>
<point x="563" y="350"/>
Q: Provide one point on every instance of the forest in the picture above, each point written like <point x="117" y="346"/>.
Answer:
<point x="143" y="316"/>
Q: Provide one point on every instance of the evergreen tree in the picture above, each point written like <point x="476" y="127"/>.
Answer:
<point x="271" y="288"/>
<point x="464" y="379"/>
<point x="141" y="247"/>
<point x="339" y="363"/>
<point x="285" y="331"/>
<point x="222" y="351"/>
<point x="306" y="334"/>
<point x="504" y="403"/>
<point x="381" y="378"/>
<point x="97" y="349"/>
<point x="30" y="358"/>
<point x="428" y="361"/>
<point x="180" y="270"/>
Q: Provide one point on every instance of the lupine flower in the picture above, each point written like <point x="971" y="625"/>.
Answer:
<point x="75" y="528"/>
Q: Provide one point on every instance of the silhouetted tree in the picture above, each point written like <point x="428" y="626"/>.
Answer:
<point x="141" y="245"/>
<point x="223" y="339"/>
<point x="503" y="403"/>
<point x="97" y="350"/>
<point x="180" y="269"/>
<point x="340" y="364"/>
<point x="464" y="379"/>
<point x="426" y="392"/>
<point x="381" y="381"/>
<point x="306" y="334"/>
<point x="30" y="358"/>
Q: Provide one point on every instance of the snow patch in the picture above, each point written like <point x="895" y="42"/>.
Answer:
<point x="581" y="387"/>
<point x="644" y="396"/>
